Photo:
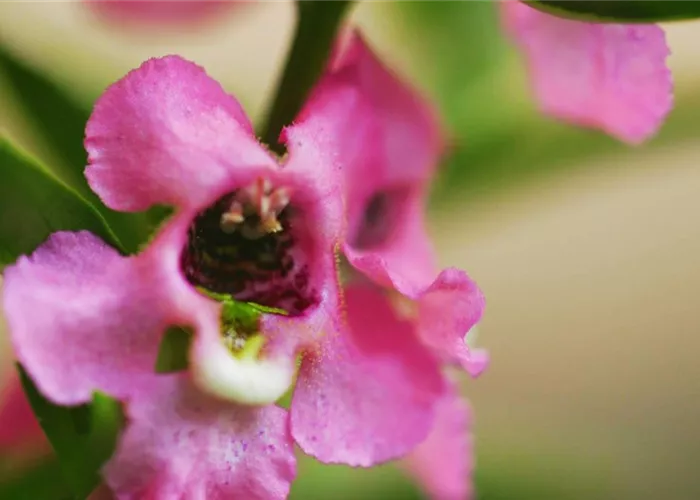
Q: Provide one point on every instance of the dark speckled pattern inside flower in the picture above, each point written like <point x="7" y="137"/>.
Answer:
<point x="268" y="268"/>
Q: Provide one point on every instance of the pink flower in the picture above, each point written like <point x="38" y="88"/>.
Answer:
<point x="391" y="148"/>
<point x="168" y="12"/>
<point x="607" y="76"/>
<point x="84" y="318"/>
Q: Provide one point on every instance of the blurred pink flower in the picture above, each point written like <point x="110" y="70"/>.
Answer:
<point x="608" y="76"/>
<point x="19" y="429"/>
<point x="162" y="12"/>
<point x="84" y="318"/>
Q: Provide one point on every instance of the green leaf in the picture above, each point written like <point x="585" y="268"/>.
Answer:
<point x="34" y="204"/>
<point x="59" y="122"/>
<point x="83" y="437"/>
<point x="630" y="11"/>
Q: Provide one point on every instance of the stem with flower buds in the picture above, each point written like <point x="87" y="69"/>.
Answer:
<point x="317" y="25"/>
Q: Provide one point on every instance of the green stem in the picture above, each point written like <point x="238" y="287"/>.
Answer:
<point x="317" y="26"/>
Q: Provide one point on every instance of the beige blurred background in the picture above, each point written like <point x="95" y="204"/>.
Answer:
<point x="592" y="278"/>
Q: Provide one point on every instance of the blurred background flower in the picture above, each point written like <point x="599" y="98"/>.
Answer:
<point x="156" y="15"/>
<point x="23" y="447"/>
<point x="586" y="249"/>
<point x="18" y="427"/>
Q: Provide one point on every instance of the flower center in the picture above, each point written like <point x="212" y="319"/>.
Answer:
<point x="252" y="244"/>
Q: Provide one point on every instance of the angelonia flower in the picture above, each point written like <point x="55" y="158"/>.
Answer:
<point x="249" y="264"/>
<point x="612" y="77"/>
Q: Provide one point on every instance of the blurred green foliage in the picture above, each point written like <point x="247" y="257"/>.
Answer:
<point x="58" y="121"/>
<point x="496" y="479"/>
<point x="454" y="45"/>
<point x="539" y="146"/>
<point x="35" y="204"/>
<point x="42" y="480"/>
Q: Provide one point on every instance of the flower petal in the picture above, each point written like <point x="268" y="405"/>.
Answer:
<point x="82" y="318"/>
<point x="391" y="146"/>
<point x="608" y="76"/>
<point x="443" y="463"/>
<point x="167" y="134"/>
<point x="406" y="261"/>
<point x="399" y="117"/>
<point x="369" y="396"/>
<point x="447" y="310"/>
<point x="314" y="164"/>
<point x="181" y="444"/>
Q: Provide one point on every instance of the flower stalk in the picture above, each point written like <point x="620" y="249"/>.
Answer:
<point x="316" y="29"/>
